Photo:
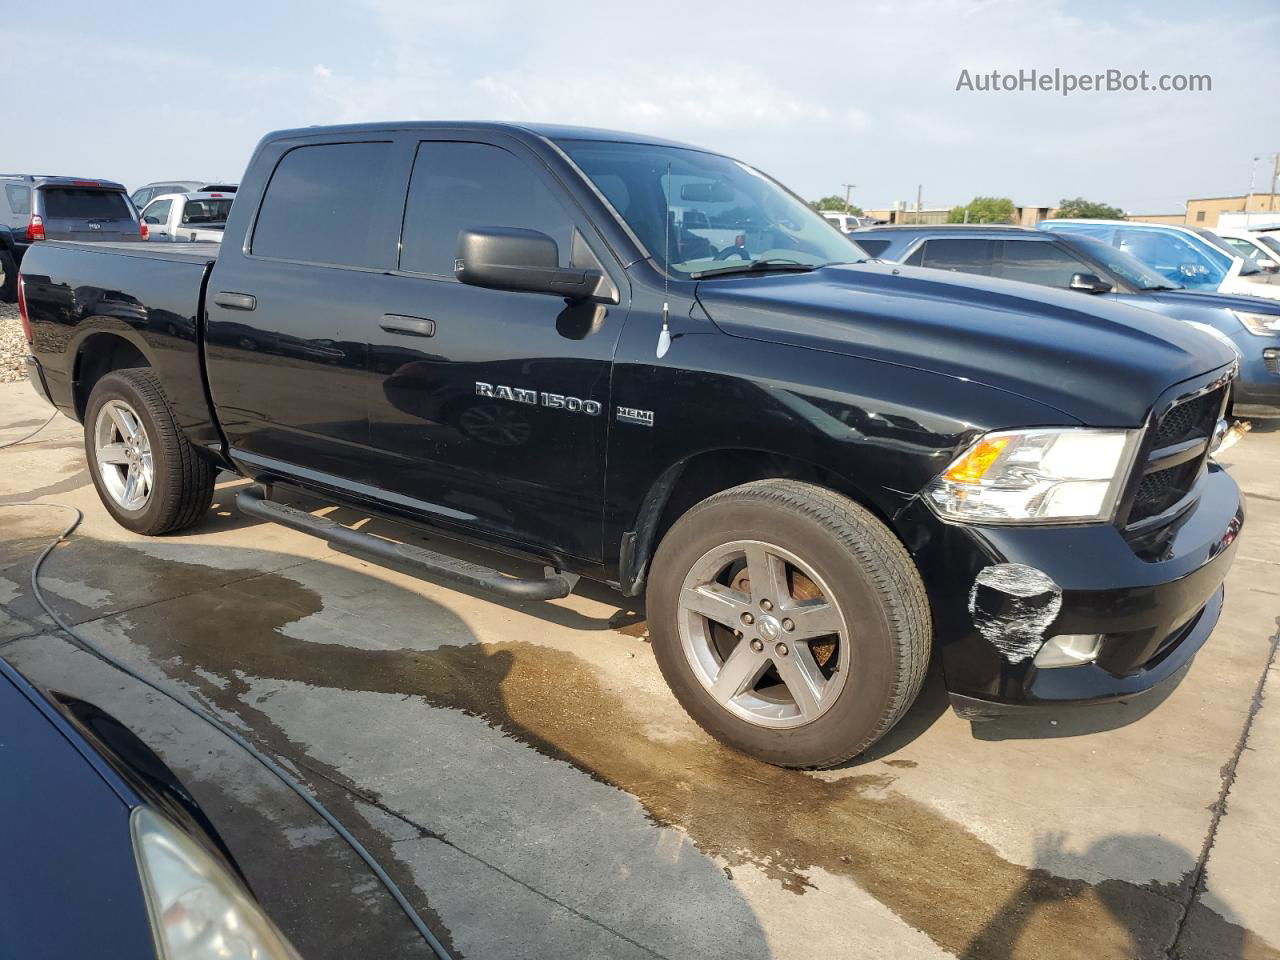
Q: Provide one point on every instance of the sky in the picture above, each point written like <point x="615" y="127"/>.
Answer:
<point x="818" y="94"/>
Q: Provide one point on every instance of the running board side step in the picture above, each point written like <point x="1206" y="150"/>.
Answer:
<point x="553" y="585"/>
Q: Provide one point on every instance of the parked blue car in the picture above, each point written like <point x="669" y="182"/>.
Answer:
<point x="103" y="852"/>
<point x="1190" y="257"/>
<point x="1075" y="261"/>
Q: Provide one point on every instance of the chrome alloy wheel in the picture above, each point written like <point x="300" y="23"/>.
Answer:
<point x="122" y="450"/>
<point x="764" y="634"/>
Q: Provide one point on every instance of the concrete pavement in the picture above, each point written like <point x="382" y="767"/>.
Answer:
<point x="523" y="771"/>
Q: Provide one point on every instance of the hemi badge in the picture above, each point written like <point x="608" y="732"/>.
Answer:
<point x="634" y="415"/>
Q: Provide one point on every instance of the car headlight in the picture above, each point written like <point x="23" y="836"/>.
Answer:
<point x="1259" y="324"/>
<point x="198" y="910"/>
<point x="1048" y="475"/>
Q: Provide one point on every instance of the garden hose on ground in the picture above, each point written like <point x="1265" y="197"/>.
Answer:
<point x="181" y="700"/>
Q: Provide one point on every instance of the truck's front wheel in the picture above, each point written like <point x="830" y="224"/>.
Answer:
<point x="148" y="475"/>
<point x="789" y="622"/>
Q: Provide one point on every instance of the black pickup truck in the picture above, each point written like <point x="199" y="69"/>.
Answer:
<point x="651" y="365"/>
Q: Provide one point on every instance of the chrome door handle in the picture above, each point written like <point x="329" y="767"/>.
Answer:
<point x="413" y="326"/>
<point x="235" y="301"/>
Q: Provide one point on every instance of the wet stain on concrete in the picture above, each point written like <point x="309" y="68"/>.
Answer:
<point x="929" y="870"/>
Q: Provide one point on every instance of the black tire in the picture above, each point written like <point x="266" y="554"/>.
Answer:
<point x="8" y="277"/>
<point x="871" y="577"/>
<point x="183" y="480"/>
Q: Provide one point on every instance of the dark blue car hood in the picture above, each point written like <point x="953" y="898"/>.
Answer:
<point x="1101" y="363"/>
<point x="69" y="886"/>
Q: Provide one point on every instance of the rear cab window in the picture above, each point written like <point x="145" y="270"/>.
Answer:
<point x="206" y="211"/>
<point x="323" y="205"/>
<point x="83" y="203"/>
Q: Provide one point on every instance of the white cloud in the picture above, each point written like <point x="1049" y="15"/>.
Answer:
<point x="321" y="71"/>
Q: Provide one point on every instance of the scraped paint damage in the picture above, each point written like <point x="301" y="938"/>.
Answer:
<point x="1012" y="606"/>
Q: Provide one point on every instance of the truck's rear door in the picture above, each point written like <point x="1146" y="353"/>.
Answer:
<point x="289" y="311"/>
<point x="86" y="212"/>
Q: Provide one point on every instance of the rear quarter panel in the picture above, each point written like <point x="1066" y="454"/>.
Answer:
<point x="147" y="297"/>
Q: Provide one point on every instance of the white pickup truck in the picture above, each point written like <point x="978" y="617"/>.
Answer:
<point x="187" y="216"/>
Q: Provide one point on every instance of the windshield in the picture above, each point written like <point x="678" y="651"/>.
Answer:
<point x="1273" y="242"/>
<point x="717" y="212"/>
<point x="1223" y="246"/>
<point x="1129" y="268"/>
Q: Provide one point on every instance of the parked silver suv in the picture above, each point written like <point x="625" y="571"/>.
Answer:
<point x="34" y="208"/>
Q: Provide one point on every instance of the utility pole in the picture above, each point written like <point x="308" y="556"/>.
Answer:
<point x="1275" y="175"/>
<point x="848" y="189"/>
<point x="1253" y="176"/>
<point x="919" y="201"/>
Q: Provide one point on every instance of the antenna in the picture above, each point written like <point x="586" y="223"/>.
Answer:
<point x="664" y="336"/>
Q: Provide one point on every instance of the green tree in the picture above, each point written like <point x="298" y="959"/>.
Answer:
<point x="837" y="204"/>
<point x="984" y="210"/>
<point x="1082" y="209"/>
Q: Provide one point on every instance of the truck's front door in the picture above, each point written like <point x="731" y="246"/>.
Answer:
<point x="289" y="312"/>
<point x="491" y="408"/>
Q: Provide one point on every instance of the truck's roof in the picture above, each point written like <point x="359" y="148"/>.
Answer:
<point x="548" y="131"/>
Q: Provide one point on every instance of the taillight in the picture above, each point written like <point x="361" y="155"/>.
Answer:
<point x="22" y="309"/>
<point x="143" y="230"/>
<point x="35" y="228"/>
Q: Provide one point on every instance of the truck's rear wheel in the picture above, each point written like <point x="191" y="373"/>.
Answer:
<point x="8" y="278"/>
<point x="148" y="475"/>
<point x="789" y="622"/>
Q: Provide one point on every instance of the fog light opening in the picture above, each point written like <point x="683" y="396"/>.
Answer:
<point x="1069" y="650"/>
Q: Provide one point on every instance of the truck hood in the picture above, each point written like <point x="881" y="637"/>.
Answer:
<point x="1101" y="363"/>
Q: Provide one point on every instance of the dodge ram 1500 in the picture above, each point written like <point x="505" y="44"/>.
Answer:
<point x="648" y="364"/>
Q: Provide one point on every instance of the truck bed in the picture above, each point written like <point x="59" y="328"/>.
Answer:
<point x="83" y="297"/>
<point x="202" y="252"/>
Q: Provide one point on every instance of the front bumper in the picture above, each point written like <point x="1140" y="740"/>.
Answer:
<point x="1153" y="615"/>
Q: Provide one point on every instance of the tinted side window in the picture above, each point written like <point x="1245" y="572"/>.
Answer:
<point x="456" y="186"/>
<point x="1035" y="261"/>
<point x="19" y="198"/>
<point x="966" y="256"/>
<point x="321" y="205"/>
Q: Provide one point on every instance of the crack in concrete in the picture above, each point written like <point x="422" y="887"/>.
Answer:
<point x="1196" y="884"/>
<point x="429" y="834"/>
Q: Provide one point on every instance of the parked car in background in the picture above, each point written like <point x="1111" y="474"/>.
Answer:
<point x="34" y="208"/>
<point x="1074" y="261"/>
<point x="1251" y="246"/>
<point x="187" y="216"/>
<point x="846" y="222"/>
<point x="145" y="194"/>
<point x="109" y="854"/>
<point x="1187" y="256"/>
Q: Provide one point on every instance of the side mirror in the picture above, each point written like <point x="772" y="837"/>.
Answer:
<point x="510" y="258"/>
<point x="1268" y="266"/>
<point x="1089" y="283"/>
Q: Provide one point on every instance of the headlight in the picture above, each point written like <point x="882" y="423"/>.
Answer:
<point x="198" y="910"/>
<point x="1052" y="475"/>
<point x="1259" y="324"/>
